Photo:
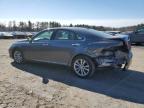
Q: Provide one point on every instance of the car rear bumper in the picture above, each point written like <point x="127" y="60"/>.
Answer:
<point x="113" y="61"/>
<point x="128" y="61"/>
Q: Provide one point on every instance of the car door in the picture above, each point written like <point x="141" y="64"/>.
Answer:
<point x="64" y="44"/>
<point x="40" y="47"/>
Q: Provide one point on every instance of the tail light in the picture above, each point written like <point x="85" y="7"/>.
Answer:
<point x="128" y="43"/>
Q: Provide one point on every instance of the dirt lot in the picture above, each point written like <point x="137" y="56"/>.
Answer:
<point x="34" y="85"/>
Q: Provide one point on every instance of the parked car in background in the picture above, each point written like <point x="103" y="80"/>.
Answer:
<point x="137" y="36"/>
<point x="28" y="34"/>
<point x="82" y="49"/>
<point x="113" y="33"/>
<point x="33" y="33"/>
<point x="126" y="32"/>
<point x="19" y="35"/>
<point x="1" y="36"/>
<point x="16" y="35"/>
<point x="6" y="35"/>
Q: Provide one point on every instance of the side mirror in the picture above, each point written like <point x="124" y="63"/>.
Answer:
<point x="29" y="39"/>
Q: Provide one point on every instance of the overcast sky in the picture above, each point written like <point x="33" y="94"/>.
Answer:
<point x="114" y="13"/>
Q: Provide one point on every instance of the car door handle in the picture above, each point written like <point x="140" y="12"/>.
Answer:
<point x="76" y="44"/>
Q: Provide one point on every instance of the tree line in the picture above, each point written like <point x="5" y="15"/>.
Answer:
<point x="37" y="26"/>
<point x="28" y="26"/>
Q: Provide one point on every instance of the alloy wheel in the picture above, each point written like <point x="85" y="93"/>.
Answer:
<point x="81" y="67"/>
<point x="18" y="57"/>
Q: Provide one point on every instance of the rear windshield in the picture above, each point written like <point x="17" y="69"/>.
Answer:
<point x="99" y="33"/>
<point x="95" y="33"/>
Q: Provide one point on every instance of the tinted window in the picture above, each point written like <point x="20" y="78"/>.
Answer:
<point x="64" y="35"/>
<point x="79" y="37"/>
<point x="45" y="35"/>
<point x="100" y="34"/>
<point x="95" y="33"/>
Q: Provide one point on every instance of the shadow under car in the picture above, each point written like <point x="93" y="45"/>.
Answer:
<point x="125" y="85"/>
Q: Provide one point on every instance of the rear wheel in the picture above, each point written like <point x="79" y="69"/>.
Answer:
<point x="18" y="56"/>
<point x="83" y="66"/>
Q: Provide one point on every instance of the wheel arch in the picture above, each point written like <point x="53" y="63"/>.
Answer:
<point x="14" y="49"/>
<point x="78" y="55"/>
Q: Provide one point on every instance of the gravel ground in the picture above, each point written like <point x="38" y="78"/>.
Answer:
<point x="35" y="85"/>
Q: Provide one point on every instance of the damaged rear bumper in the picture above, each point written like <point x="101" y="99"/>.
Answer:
<point x="119" y="59"/>
<point x="128" y="61"/>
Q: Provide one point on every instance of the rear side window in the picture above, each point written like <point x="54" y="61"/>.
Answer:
<point x="66" y="35"/>
<point x="79" y="37"/>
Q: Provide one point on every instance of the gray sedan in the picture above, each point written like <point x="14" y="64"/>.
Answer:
<point x="82" y="49"/>
<point x="137" y="36"/>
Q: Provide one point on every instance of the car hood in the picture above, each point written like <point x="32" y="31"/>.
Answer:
<point x="21" y="42"/>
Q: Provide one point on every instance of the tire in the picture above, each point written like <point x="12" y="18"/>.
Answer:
<point x="83" y="66"/>
<point x="18" y="57"/>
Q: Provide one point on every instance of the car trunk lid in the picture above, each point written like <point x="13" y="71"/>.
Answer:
<point x="125" y="39"/>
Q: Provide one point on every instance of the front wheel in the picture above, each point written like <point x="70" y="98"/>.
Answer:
<point x="83" y="66"/>
<point x="18" y="56"/>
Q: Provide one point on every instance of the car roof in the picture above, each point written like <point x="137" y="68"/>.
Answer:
<point x="78" y="30"/>
<point x="70" y="28"/>
<point x="84" y="31"/>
